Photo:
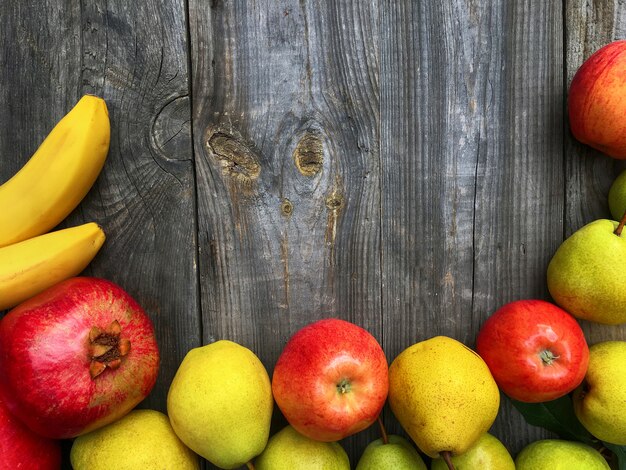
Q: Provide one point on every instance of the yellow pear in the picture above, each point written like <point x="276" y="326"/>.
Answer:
<point x="443" y="395"/>
<point x="599" y="400"/>
<point x="220" y="403"/>
<point x="141" y="439"/>
<point x="290" y="450"/>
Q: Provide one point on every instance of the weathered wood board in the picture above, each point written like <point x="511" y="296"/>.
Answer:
<point x="403" y="165"/>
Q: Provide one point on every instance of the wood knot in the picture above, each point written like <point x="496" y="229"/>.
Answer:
<point x="309" y="154"/>
<point x="237" y="158"/>
<point x="334" y="201"/>
<point x="286" y="207"/>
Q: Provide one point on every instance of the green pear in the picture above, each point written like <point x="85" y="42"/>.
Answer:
<point x="586" y="275"/>
<point x="555" y="454"/>
<point x="488" y="453"/>
<point x="220" y="403"/>
<point x="599" y="400"/>
<point x="443" y="395"/>
<point x="396" y="454"/>
<point x="617" y="196"/>
<point x="141" y="439"/>
<point x="290" y="450"/>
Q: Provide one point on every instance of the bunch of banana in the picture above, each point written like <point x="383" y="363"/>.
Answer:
<point x="43" y="193"/>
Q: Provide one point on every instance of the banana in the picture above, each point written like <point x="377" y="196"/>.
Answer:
<point x="33" y="265"/>
<point x="58" y="175"/>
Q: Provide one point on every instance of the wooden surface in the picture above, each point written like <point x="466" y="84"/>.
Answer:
<point x="403" y="165"/>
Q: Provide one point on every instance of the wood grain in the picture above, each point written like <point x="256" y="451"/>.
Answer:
<point x="519" y="209"/>
<point x="135" y="56"/>
<point x="37" y="86"/>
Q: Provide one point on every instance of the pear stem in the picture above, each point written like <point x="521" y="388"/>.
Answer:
<point x="620" y="227"/>
<point x="383" y="431"/>
<point x="250" y="465"/>
<point x="446" y="455"/>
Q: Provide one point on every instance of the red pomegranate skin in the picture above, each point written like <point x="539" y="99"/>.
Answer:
<point x="45" y="358"/>
<point x="20" y="448"/>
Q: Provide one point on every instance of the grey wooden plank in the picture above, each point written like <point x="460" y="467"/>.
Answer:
<point x="39" y="82"/>
<point x="38" y="86"/>
<point x="517" y="236"/>
<point x="134" y="55"/>
<point x="588" y="172"/>
<point x="285" y="111"/>
<point x="471" y="147"/>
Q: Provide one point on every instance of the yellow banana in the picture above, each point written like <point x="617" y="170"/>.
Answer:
<point x="33" y="265"/>
<point x="58" y="175"/>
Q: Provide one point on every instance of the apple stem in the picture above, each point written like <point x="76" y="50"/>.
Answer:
<point x="620" y="227"/>
<point x="547" y="357"/>
<point x="250" y="465"/>
<point x="446" y="455"/>
<point x="383" y="431"/>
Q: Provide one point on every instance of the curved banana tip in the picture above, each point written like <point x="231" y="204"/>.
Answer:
<point x="96" y="231"/>
<point x="96" y="100"/>
<point x="100" y="230"/>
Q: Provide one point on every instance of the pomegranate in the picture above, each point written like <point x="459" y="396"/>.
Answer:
<point x="76" y="357"/>
<point x="22" y="448"/>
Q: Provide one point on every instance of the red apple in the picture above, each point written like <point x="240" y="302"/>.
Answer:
<point x="535" y="350"/>
<point x="331" y="380"/>
<point x="76" y="357"/>
<point x="22" y="448"/>
<point x="597" y="100"/>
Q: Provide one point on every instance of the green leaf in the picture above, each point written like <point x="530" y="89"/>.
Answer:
<point x="620" y="454"/>
<point x="556" y="416"/>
